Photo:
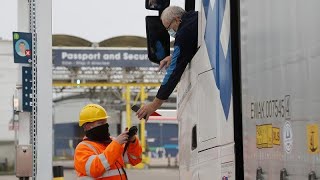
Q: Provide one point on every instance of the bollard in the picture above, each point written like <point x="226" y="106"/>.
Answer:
<point x="58" y="173"/>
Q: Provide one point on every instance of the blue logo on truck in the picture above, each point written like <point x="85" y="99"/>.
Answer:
<point x="217" y="39"/>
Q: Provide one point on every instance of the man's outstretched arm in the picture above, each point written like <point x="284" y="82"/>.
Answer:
<point x="170" y="81"/>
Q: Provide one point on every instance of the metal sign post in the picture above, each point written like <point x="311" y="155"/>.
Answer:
<point x="35" y="93"/>
<point x="22" y="44"/>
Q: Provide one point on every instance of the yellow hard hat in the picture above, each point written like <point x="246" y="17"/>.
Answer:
<point x="92" y="113"/>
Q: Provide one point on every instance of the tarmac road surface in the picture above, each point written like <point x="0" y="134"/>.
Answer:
<point x="148" y="174"/>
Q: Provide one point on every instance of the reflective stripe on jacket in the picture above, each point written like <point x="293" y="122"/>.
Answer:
<point x="103" y="161"/>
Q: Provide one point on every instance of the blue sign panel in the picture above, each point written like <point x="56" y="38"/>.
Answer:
<point x="22" y="47"/>
<point x="101" y="57"/>
<point x="27" y="89"/>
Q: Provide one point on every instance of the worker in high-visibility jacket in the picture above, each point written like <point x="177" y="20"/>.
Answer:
<point x="99" y="156"/>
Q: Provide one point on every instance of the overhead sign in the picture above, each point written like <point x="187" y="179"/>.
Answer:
<point x="313" y="138"/>
<point x="22" y="47"/>
<point x="27" y="89"/>
<point x="101" y="57"/>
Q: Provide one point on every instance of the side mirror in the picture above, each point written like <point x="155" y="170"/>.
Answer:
<point x="157" y="4"/>
<point x="158" y="39"/>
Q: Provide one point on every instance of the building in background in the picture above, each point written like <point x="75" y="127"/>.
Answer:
<point x="162" y="134"/>
<point x="70" y="68"/>
<point x="67" y="102"/>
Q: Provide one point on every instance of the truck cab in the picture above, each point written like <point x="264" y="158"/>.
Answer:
<point x="248" y="101"/>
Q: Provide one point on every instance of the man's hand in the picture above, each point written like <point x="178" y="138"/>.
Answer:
<point x="148" y="109"/>
<point x="122" y="138"/>
<point x="165" y="62"/>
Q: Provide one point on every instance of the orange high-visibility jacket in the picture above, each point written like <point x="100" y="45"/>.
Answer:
<point x="103" y="161"/>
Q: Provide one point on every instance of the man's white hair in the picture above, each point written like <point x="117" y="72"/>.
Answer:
<point x="172" y="12"/>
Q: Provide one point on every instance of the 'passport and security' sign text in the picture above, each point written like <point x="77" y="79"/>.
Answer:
<point x="102" y="57"/>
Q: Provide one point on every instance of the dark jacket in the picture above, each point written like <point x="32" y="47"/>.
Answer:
<point x="185" y="47"/>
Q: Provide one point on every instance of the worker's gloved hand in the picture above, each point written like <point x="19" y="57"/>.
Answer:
<point x="122" y="138"/>
<point x="132" y="139"/>
<point x="165" y="62"/>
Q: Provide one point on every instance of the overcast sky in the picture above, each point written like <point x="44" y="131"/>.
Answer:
<point x="94" y="20"/>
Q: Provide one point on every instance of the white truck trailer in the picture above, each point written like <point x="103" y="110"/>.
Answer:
<point x="248" y="103"/>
